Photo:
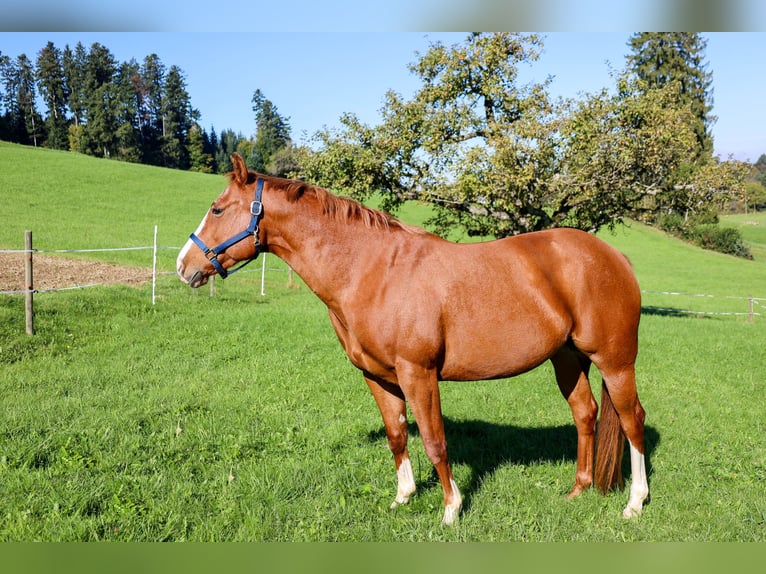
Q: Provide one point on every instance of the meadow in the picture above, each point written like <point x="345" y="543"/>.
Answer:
<point x="238" y="417"/>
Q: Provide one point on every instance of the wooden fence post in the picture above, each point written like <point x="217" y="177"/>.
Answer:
<point x="30" y="284"/>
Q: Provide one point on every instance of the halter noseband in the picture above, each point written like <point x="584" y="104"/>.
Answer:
<point x="256" y="212"/>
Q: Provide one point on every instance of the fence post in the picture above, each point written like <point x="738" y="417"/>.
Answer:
<point x="30" y="284"/>
<point x="750" y="315"/>
<point x="154" y="268"/>
<point x="263" y="276"/>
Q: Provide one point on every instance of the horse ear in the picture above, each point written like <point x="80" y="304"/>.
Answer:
<point x="240" y="173"/>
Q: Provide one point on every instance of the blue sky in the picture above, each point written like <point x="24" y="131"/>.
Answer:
<point x="313" y="78"/>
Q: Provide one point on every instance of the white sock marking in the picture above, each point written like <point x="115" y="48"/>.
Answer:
<point x="406" y="483"/>
<point x="452" y="508"/>
<point x="639" y="487"/>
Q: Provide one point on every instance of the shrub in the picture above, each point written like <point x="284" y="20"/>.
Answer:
<point x="671" y="223"/>
<point x="702" y="230"/>
<point x="724" y="240"/>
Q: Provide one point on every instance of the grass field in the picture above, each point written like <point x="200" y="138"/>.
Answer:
<point x="238" y="417"/>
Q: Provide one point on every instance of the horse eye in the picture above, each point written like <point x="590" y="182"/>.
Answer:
<point x="216" y="210"/>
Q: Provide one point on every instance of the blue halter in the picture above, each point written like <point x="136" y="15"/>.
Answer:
<point x="256" y="212"/>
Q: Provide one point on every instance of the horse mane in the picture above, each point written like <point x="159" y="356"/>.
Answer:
<point x="345" y="210"/>
<point x="340" y="209"/>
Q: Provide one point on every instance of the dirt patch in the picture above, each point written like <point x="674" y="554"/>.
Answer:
<point x="60" y="272"/>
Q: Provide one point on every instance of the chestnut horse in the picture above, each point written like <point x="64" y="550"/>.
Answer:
<point x="411" y="309"/>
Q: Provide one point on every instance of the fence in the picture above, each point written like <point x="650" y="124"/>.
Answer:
<point x="29" y="290"/>
<point x="754" y="304"/>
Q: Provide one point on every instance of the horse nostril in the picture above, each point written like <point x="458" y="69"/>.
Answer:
<point x="196" y="279"/>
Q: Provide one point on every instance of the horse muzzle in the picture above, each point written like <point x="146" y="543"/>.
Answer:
<point x="194" y="280"/>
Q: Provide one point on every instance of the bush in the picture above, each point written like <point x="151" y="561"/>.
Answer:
<point x="671" y="223"/>
<point x="707" y="217"/>
<point x="724" y="240"/>
<point x="702" y="230"/>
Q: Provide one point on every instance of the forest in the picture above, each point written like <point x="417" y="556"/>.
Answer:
<point x="131" y="111"/>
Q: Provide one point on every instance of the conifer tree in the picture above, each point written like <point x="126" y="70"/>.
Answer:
<point x="101" y="122"/>
<point x="152" y="126"/>
<point x="661" y="58"/>
<point x="272" y="133"/>
<point x="178" y="118"/>
<point x="51" y="85"/>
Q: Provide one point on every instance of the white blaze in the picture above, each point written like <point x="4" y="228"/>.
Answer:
<point x="188" y="245"/>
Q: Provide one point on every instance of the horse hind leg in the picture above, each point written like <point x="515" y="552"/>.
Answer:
<point x="621" y="412"/>
<point x="571" y="368"/>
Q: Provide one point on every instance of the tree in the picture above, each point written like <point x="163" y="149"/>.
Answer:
<point x="678" y="57"/>
<point x="228" y="144"/>
<point x="74" y="65"/>
<point x="272" y="133"/>
<point x="127" y="100"/>
<point x="759" y="169"/>
<point x="454" y="144"/>
<point x="23" y="123"/>
<point x="619" y="151"/>
<point x="13" y="124"/>
<point x="178" y="119"/>
<point x="99" y="136"/>
<point x="497" y="158"/>
<point x="152" y="80"/>
<point x="51" y="85"/>
<point x="199" y="159"/>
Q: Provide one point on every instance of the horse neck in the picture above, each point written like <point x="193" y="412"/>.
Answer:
<point x="327" y="253"/>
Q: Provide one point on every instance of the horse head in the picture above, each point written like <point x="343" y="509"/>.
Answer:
<point x="230" y="226"/>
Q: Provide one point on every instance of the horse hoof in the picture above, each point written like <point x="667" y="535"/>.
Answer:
<point x="629" y="513"/>
<point x="450" y="515"/>
<point x="576" y="491"/>
<point x="399" y="500"/>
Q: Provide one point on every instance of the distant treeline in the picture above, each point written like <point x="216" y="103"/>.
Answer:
<point x="131" y="111"/>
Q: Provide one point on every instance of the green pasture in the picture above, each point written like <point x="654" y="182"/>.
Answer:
<point x="238" y="417"/>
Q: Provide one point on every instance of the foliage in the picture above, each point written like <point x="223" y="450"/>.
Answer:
<point x="272" y="135"/>
<point x="498" y="158"/>
<point x="703" y="230"/>
<point x="754" y="195"/>
<point x="678" y="58"/>
<point x="619" y="148"/>
<point x="98" y="106"/>
<point x="178" y="117"/>
<point x="50" y="83"/>
<point x="22" y="121"/>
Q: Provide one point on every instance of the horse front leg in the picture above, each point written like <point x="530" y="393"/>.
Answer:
<point x="390" y="400"/>
<point x="421" y="387"/>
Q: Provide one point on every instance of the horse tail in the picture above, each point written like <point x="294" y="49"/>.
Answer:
<point x="610" y="442"/>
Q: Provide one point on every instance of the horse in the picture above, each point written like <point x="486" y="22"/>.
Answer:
<point x="411" y="309"/>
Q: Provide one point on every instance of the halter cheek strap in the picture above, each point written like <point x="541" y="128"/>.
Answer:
<point x="256" y="213"/>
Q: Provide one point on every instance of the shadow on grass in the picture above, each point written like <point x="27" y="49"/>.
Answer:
<point x="671" y="312"/>
<point x="485" y="447"/>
